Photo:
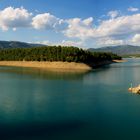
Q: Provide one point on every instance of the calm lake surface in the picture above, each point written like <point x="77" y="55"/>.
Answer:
<point x="39" y="105"/>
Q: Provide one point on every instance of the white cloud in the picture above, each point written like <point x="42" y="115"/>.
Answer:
<point x="48" y="21"/>
<point x="109" y="41"/>
<point x="45" y="42"/>
<point x="72" y="43"/>
<point x="112" y="31"/>
<point x="88" y="21"/>
<point x="113" y="14"/>
<point x="62" y="43"/>
<point x="14" y="29"/>
<point x="136" y="39"/>
<point x="115" y="30"/>
<point x="37" y="11"/>
<point x="133" y="9"/>
<point x="120" y="26"/>
<point x="79" y="28"/>
<point x="14" y="18"/>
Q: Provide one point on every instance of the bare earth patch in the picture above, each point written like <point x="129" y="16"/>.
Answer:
<point x="119" y="61"/>
<point x="47" y="65"/>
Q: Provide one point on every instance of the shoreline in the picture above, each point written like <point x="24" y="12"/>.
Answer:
<point x="119" y="61"/>
<point x="56" y="65"/>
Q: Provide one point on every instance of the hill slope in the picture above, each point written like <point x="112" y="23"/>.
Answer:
<point x="17" y="44"/>
<point x="120" y="50"/>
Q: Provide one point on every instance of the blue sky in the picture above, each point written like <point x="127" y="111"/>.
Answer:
<point x="83" y="23"/>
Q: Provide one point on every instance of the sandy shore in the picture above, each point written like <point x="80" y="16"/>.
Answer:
<point x="47" y="65"/>
<point x="119" y="61"/>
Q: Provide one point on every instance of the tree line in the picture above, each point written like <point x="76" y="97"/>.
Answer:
<point x="54" y="53"/>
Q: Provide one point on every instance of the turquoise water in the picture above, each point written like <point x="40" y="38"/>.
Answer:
<point x="40" y="105"/>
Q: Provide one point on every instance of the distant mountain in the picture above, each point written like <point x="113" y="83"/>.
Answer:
<point x="17" y="44"/>
<point x="120" y="50"/>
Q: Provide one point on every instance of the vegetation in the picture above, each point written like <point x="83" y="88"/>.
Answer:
<point x="106" y="56"/>
<point x="120" y="49"/>
<point x="131" y="56"/>
<point x="54" y="53"/>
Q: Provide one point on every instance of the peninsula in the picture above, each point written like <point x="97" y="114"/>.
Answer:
<point x="55" y="57"/>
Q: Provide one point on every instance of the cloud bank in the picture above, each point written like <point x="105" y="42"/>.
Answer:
<point x="14" y="18"/>
<point x="116" y="29"/>
<point x="47" y="21"/>
<point x="133" y="9"/>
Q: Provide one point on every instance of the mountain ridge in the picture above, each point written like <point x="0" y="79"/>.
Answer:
<point x="17" y="44"/>
<point x="119" y="50"/>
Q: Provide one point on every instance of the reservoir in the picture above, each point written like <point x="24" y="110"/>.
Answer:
<point x="44" y="105"/>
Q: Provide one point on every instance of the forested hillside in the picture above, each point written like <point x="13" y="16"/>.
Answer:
<point x="53" y="53"/>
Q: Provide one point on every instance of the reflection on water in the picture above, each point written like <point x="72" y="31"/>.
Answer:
<point x="45" y="74"/>
<point x="34" y="102"/>
<point x="40" y="105"/>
